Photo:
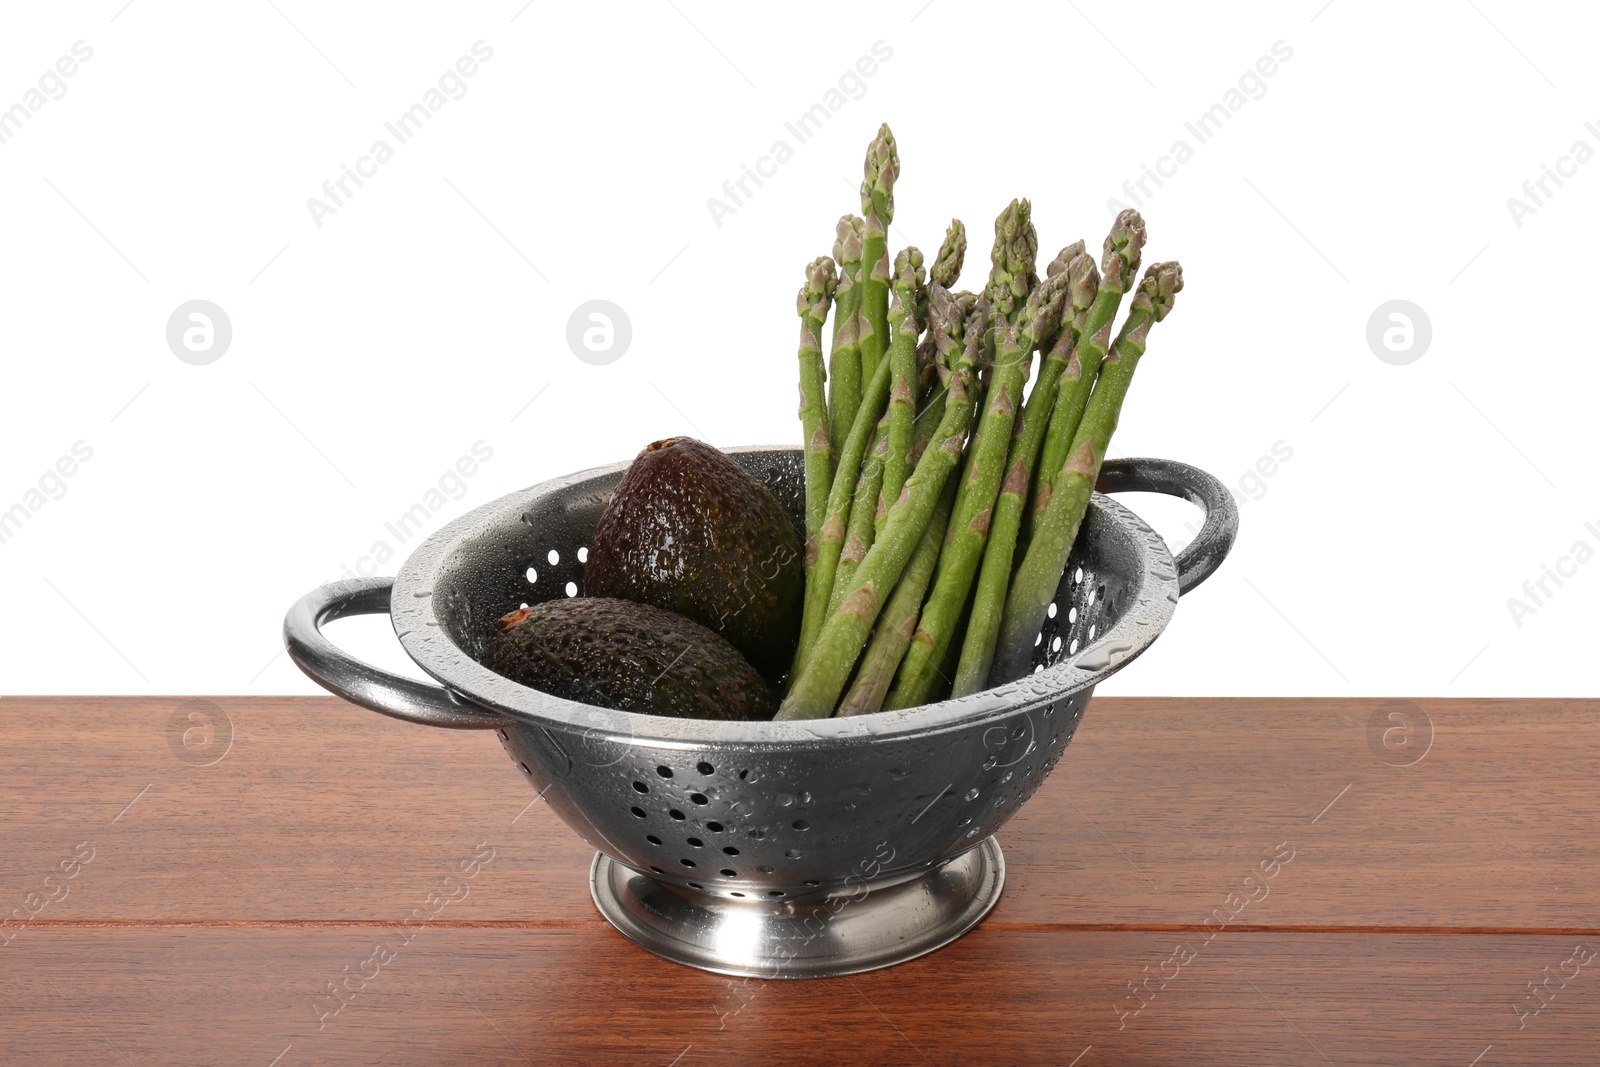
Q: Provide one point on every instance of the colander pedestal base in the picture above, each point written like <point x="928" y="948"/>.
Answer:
<point x="889" y="921"/>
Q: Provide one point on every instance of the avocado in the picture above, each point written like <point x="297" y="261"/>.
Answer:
<point x="628" y="656"/>
<point x="689" y="530"/>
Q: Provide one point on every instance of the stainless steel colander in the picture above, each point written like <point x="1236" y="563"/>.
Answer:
<point x="775" y="849"/>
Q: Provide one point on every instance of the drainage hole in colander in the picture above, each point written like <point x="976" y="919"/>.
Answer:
<point x="687" y="863"/>
<point x="653" y="839"/>
<point x="1072" y="648"/>
<point x="1051" y="611"/>
<point x="705" y="768"/>
<point x="572" y="588"/>
<point x="1077" y="576"/>
<point x="743" y="775"/>
<point x="696" y="885"/>
<point x="1055" y="645"/>
<point x="812" y="882"/>
<point x="764" y="869"/>
<point x="714" y="827"/>
<point x="665" y="772"/>
<point x="736" y="894"/>
<point x="1092" y="629"/>
<point x="695" y="842"/>
<point x="792" y="854"/>
<point x="640" y="787"/>
<point x="1037" y="638"/>
<point x="1050" y="709"/>
<point x="729" y="850"/>
<point x="774" y="892"/>
<point x="758" y="834"/>
<point x="728" y="872"/>
<point x="801" y="824"/>
<point x="698" y="798"/>
<point x="658" y="870"/>
<point x="533" y="576"/>
<point x="1072" y="615"/>
<point x="638" y="813"/>
<point x="1100" y="591"/>
<point x="525" y="770"/>
<point x="583" y="554"/>
<point x="554" y="557"/>
<point x="676" y="814"/>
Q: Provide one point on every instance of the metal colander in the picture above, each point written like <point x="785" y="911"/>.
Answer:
<point x="778" y="849"/>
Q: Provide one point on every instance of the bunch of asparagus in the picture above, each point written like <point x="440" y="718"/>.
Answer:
<point x="922" y="582"/>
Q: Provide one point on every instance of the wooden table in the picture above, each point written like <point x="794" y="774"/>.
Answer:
<point x="1385" y="882"/>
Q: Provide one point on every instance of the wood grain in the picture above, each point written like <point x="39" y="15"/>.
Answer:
<point x="1411" y="901"/>
<point x="230" y="995"/>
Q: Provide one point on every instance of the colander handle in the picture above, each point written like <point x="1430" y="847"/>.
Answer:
<point x="361" y="683"/>
<point x="1211" y="545"/>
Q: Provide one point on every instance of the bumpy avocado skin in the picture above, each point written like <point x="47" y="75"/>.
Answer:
<point x="691" y="531"/>
<point x="628" y="656"/>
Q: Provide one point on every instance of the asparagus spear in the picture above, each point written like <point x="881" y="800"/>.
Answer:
<point x="977" y="650"/>
<point x="1013" y="274"/>
<point x="920" y="671"/>
<point x="899" y="618"/>
<point x="863" y="514"/>
<point x="954" y="311"/>
<point x="823" y="672"/>
<point x="812" y="305"/>
<point x="1119" y="264"/>
<point x="905" y="324"/>
<point x="844" y="357"/>
<point x="881" y="168"/>
<point x="932" y="373"/>
<point x="830" y="540"/>
<point x="1039" y="575"/>
<point x="952" y="253"/>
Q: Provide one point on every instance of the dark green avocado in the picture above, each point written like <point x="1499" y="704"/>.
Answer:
<point x="628" y="656"/>
<point x="689" y="530"/>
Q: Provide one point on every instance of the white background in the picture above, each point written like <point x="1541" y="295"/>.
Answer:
<point x="429" y="312"/>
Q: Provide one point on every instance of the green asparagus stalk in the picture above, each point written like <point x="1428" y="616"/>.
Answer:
<point x="1119" y="265"/>
<point x="812" y="306"/>
<point x="1038" y="577"/>
<point x="920" y="671"/>
<point x="899" y="619"/>
<point x="932" y="373"/>
<point x="880" y="169"/>
<point x="815" y="688"/>
<point x="1013" y="273"/>
<point x="863" y="514"/>
<point x="1076" y="270"/>
<point x="904" y="325"/>
<point x="954" y="311"/>
<point x="830" y="541"/>
<point x="952" y="253"/>
<point x="844" y="357"/>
